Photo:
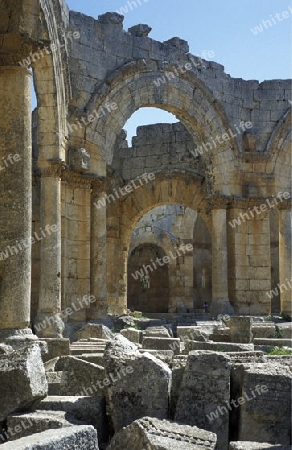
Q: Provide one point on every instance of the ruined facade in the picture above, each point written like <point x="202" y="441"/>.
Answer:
<point x="229" y="154"/>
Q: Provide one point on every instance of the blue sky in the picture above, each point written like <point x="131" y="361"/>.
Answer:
<point x="221" y="26"/>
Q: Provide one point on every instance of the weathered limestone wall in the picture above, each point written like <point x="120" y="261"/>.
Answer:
<point x="261" y="103"/>
<point x="157" y="147"/>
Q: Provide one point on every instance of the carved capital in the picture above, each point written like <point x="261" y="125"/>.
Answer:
<point x="54" y="170"/>
<point x="98" y="187"/>
<point x="285" y="205"/>
<point x="77" y="180"/>
<point x="219" y="202"/>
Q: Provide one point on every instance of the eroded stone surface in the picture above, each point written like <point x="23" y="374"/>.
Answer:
<point x="22" y="379"/>
<point x="205" y="386"/>
<point x="74" y="437"/>
<point x="152" y="434"/>
<point x="139" y="386"/>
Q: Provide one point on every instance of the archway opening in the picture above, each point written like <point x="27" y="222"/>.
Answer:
<point x="146" y="116"/>
<point x="148" y="281"/>
<point x="160" y="262"/>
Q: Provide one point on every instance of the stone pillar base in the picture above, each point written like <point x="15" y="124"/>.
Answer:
<point x="13" y="335"/>
<point x="49" y="325"/>
<point x="221" y="306"/>
<point x="97" y="311"/>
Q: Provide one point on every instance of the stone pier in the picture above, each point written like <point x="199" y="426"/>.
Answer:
<point x="285" y="264"/>
<point x="49" y="306"/>
<point x="15" y="200"/>
<point x="220" y="301"/>
<point x="97" y="254"/>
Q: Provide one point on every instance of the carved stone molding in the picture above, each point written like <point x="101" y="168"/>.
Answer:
<point x="270" y="202"/>
<point x="77" y="180"/>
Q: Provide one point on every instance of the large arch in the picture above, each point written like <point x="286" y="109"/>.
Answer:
<point x="176" y="187"/>
<point x="133" y="86"/>
<point x="279" y="151"/>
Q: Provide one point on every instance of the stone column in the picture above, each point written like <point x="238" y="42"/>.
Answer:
<point x="48" y="322"/>
<point x="98" y="273"/>
<point x="220" y="300"/>
<point x="15" y="201"/>
<point x="285" y="260"/>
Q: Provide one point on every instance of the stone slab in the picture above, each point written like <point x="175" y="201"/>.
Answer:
<point x="74" y="438"/>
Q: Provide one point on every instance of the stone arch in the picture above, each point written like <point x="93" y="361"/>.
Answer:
<point x="51" y="81"/>
<point x="177" y="187"/>
<point x="279" y="149"/>
<point x="133" y="86"/>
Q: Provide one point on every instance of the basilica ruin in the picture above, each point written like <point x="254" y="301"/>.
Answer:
<point x="144" y="286"/>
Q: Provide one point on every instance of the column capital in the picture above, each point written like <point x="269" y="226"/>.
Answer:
<point x="285" y="205"/>
<point x="219" y="202"/>
<point x="98" y="187"/>
<point x="54" y="170"/>
<point x="77" y="180"/>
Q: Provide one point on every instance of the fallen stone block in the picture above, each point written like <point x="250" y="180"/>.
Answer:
<point x="140" y="383"/>
<point x="220" y="335"/>
<point x="247" y="357"/>
<point x="164" y="355"/>
<point x="21" y="425"/>
<point x="205" y="385"/>
<point x="132" y="335"/>
<point x="93" y="330"/>
<point x="273" y="342"/>
<point x="218" y="346"/>
<point x="191" y="334"/>
<point x="240" y="329"/>
<point x="264" y="412"/>
<point x="22" y="380"/>
<point x="161" y="332"/>
<point x="154" y="343"/>
<point x="82" y="437"/>
<point x="284" y="360"/>
<point x="81" y="378"/>
<point x="90" y="410"/>
<point x="284" y="330"/>
<point x="256" y="446"/>
<point x="153" y="434"/>
<point x="264" y="331"/>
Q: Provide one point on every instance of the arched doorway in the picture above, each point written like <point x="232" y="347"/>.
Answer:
<point x="148" y="281"/>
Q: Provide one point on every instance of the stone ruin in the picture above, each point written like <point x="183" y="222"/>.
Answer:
<point x="90" y="357"/>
